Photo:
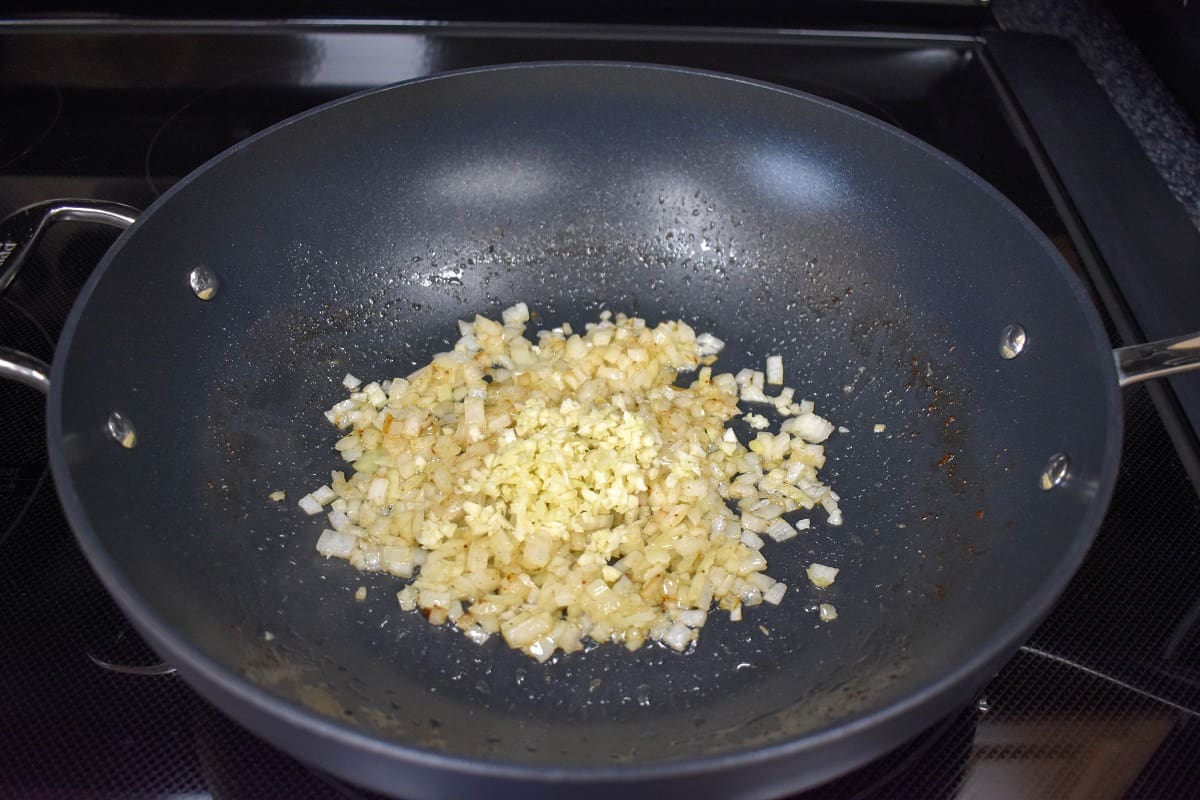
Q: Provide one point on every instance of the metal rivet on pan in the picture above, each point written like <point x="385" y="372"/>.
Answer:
<point x="204" y="283"/>
<point x="982" y="705"/>
<point x="121" y="429"/>
<point x="1012" y="341"/>
<point x="1055" y="471"/>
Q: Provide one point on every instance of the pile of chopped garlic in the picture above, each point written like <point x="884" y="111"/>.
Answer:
<point x="568" y="490"/>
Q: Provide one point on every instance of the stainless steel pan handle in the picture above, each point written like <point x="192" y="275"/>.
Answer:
<point x="24" y="368"/>
<point x="20" y="233"/>
<point x="1141" y="362"/>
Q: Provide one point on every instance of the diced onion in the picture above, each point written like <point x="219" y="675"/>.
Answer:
<point x="780" y="531"/>
<point x="809" y="427"/>
<point x="566" y="490"/>
<point x="516" y="315"/>
<point x="476" y="635"/>
<point x="757" y="421"/>
<point x="678" y="636"/>
<point x="821" y="575"/>
<point x="752" y="540"/>
<point x="333" y="543"/>
<point x="708" y="345"/>
<point x="775" y="369"/>
<point x="774" y="595"/>
<point x="309" y="505"/>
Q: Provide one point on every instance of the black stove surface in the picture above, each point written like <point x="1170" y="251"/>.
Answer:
<point x="1102" y="702"/>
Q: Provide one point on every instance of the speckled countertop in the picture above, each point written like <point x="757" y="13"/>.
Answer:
<point x="1168" y="135"/>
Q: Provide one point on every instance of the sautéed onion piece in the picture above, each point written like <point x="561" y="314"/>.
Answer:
<point x="566" y="490"/>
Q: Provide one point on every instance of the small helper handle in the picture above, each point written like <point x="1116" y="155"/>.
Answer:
<point x="20" y="233"/>
<point x="1141" y="362"/>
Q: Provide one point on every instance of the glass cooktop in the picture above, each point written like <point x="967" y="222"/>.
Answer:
<point x="1102" y="702"/>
